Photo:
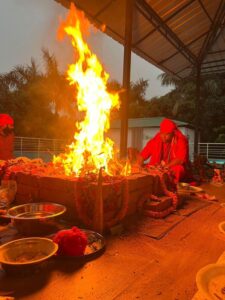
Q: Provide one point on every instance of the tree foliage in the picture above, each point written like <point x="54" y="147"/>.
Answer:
<point x="43" y="104"/>
<point x="179" y="104"/>
<point x="38" y="100"/>
<point x="182" y="99"/>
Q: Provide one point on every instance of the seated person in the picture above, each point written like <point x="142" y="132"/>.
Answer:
<point x="6" y="137"/>
<point x="168" y="148"/>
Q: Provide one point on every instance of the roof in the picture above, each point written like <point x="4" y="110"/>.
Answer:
<point x="153" y="122"/>
<point x="174" y="35"/>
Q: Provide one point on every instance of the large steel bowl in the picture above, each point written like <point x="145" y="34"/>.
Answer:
<point x="36" y="218"/>
<point x="17" y="254"/>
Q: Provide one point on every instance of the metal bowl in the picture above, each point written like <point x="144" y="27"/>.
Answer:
<point x="35" y="218"/>
<point x="26" y="252"/>
<point x="210" y="281"/>
<point x="222" y="227"/>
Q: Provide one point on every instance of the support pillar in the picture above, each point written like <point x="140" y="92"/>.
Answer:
<point x="197" y="108"/>
<point x="126" y="77"/>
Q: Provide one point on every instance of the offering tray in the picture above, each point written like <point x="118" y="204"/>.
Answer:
<point x="187" y="189"/>
<point x="95" y="246"/>
<point x="96" y="243"/>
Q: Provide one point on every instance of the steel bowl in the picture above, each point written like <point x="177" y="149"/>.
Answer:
<point x="26" y="252"/>
<point x="36" y="218"/>
<point x="222" y="227"/>
<point x="210" y="281"/>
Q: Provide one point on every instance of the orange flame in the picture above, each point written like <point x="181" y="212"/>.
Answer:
<point x="126" y="169"/>
<point x="90" y="150"/>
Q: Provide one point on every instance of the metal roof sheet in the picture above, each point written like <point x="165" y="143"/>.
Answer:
<point x="174" y="35"/>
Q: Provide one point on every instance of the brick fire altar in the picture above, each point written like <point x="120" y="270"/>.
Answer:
<point x="149" y="192"/>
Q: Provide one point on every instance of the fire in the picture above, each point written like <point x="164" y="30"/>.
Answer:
<point x="90" y="150"/>
<point x="127" y="169"/>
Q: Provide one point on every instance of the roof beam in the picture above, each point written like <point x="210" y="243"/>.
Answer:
<point x="152" y="60"/>
<point x="212" y="61"/>
<point x="103" y="9"/>
<point x="216" y="52"/>
<point x="214" y="72"/>
<point x="165" y="30"/>
<point x="203" y="71"/>
<point x="215" y="66"/>
<point x="188" y="67"/>
<point x="166" y="20"/>
<point x="214" y="30"/>
<point x="189" y="44"/>
<point x="205" y="11"/>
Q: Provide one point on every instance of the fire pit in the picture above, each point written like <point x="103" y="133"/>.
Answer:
<point x="121" y="196"/>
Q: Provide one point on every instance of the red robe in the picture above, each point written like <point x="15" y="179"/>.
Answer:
<point x="157" y="151"/>
<point x="6" y="147"/>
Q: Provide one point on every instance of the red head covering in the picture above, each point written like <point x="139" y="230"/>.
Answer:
<point x="5" y="120"/>
<point x="167" y="126"/>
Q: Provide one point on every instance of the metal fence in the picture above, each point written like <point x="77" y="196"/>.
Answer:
<point x="46" y="148"/>
<point x="38" y="147"/>
<point x="213" y="151"/>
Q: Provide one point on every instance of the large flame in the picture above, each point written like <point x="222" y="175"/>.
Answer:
<point x="90" y="150"/>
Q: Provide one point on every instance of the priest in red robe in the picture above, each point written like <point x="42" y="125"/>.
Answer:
<point x="168" y="148"/>
<point x="6" y="137"/>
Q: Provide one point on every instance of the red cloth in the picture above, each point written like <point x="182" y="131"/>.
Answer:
<point x="167" y="126"/>
<point x="6" y="147"/>
<point x="6" y="138"/>
<point x="166" y="148"/>
<point x="6" y="120"/>
<point x="178" y="172"/>
<point x="157" y="151"/>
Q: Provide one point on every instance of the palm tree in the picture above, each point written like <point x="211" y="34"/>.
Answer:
<point x="211" y="102"/>
<point x="55" y="85"/>
<point x="169" y="79"/>
<point x="30" y="95"/>
<point x="20" y="76"/>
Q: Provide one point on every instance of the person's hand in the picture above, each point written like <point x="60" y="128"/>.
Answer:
<point x="162" y="164"/>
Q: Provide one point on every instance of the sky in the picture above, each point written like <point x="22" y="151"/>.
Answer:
<point x="27" y="26"/>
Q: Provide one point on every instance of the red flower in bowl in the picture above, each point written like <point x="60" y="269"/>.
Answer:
<point x="71" y="242"/>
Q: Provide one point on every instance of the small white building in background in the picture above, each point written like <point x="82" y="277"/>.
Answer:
<point x="141" y="130"/>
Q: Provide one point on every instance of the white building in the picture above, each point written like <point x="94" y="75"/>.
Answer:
<point x="141" y="130"/>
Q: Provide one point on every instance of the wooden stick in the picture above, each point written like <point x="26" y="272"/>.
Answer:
<point x="98" y="222"/>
